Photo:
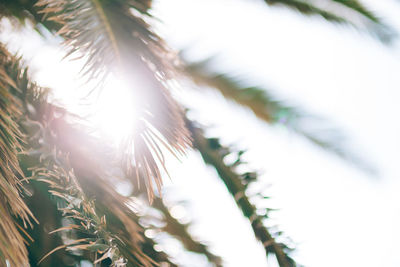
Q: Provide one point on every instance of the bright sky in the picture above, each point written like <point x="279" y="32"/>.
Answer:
<point x="338" y="215"/>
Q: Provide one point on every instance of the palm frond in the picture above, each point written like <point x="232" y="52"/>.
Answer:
<point x="111" y="37"/>
<point x="336" y="11"/>
<point x="96" y="209"/>
<point x="83" y="190"/>
<point x="122" y="220"/>
<point x="180" y="232"/>
<point x="12" y="247"/>
<point x="45" y="207"/>
<point x="358" y="7"/>
<point x="171" y="225"/>
<point x="274" y="111"/>
<point x="213" y="153"/>
<point x="21" y="11"/>
<point x="257" y="99"/>
<point x="77" y="206"/>
<point x="308" y="8"/>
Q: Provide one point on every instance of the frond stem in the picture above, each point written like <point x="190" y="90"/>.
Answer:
<point x="100" y="10"/>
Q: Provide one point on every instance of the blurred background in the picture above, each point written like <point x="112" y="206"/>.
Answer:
<point x="335" y="213"/>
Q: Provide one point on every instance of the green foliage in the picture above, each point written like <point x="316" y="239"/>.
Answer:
<point x="213" y="153"/>
<point x="274" y="111"/>
<point x="329" y="12"/>
<point x="180" y="231"/>
<point x="348" y="12"/>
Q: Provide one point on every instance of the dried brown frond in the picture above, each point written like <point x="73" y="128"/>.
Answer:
<point x="12" y="247"/>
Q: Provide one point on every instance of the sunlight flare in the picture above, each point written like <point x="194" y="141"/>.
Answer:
<point x="115" y="113"/>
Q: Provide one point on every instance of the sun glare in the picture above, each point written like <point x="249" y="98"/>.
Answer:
<point x="115" y="113"/>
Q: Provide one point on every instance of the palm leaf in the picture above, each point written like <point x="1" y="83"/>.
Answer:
<point x="307" y="8"/>
<point x="20" y="11"/>
<point x="213" y="153"/>
<point x="76" y="183"/>
<point x="112" y="38"/>
<point x="273" y="111"/>
<point x="12" y="247"/>
<point x="336" y="11"/>
<point x="359" y="8"/>
<point x="82" y="189"/>
<point x="180" y="231"/>
<point x="77" y="206"/>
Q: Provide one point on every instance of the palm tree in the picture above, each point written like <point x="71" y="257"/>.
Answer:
<point x="58" y="203"/>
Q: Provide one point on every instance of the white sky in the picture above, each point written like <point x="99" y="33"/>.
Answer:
<point x="336" y="214"/>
